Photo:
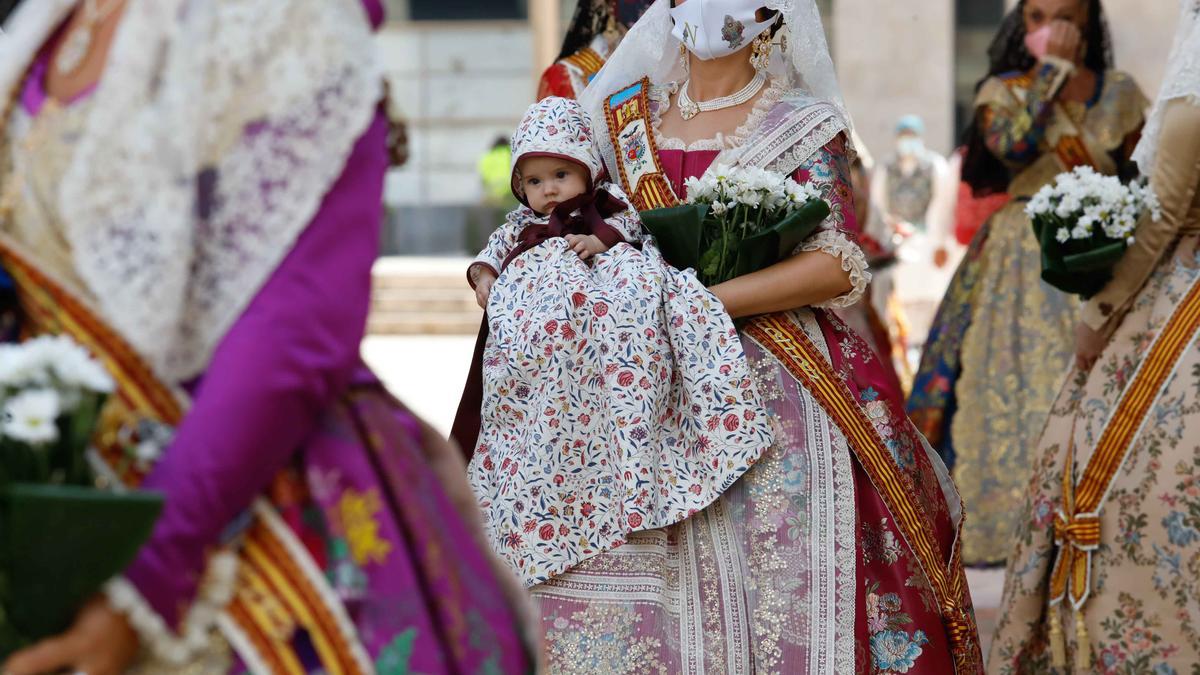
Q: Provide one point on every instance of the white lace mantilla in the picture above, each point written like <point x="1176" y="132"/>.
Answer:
<point x="214" y="135"/>
<point x="1182" y="81"/>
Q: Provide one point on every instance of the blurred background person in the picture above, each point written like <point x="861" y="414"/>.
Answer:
<point x="595" y="31"/>
<point x="914" y="198"/>
<point x="1001" y="343"/>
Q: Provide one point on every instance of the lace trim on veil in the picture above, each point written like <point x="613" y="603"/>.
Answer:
<point x="1181" y="82"/>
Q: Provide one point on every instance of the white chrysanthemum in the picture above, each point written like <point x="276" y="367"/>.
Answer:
<point x="19" y="367"/>
<point x="1093" y="205"/>
<point x="75" y="367"/>
<point x="30" y="416"/>
<point x="1062" y="235"/>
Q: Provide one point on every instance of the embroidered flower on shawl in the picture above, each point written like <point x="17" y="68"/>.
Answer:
<point x="358" y="512"/>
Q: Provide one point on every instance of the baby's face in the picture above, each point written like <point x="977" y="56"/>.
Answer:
<point x="550" y="181"/>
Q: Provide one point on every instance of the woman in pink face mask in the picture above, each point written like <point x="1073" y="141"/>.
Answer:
<point x="1003" y="341"/>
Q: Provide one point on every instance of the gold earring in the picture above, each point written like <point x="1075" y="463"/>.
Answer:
<point x="760" y="52"/>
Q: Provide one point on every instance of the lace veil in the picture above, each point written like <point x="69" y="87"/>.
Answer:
<point x="211" y="141"/>
<point x="1182" y="80"/>
<point x="649" y="50"/>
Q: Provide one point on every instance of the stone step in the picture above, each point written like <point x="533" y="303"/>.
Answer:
<point x="406" y="300"/>
<point x="420" y="282"/>
<point x="426" y="323"/>
<point x="422" y="296"/>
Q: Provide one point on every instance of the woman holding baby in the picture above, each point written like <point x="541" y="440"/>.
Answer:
<point x="827" y="546"/>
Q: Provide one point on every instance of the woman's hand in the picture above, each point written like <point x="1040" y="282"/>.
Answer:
<point x="100" y="642"/>
<point x="1088" y="346"/>
<point x="1065" y="40"/>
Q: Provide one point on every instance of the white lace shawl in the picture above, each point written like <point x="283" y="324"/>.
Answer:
<point x="1181" y="81"/>
<point x="214" y="135"/>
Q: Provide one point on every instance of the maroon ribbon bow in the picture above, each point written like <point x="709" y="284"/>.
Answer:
<point x="593" y="209"/>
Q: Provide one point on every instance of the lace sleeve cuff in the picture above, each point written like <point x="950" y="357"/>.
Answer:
<point x="195" y="628"/>
<point x="854" y="261"/>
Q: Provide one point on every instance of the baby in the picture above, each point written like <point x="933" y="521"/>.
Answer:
<point x="614" y="391"/>
<point x="555" y="171"/>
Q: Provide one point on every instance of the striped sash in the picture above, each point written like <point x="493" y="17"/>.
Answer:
<point x="280" y="589"/>
<point x="627" y="116"/>
<point x="787" y="341"/>
<point x="1077" y="523"/>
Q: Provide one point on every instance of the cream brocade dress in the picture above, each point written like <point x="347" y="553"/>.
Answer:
<point x="1143" y="614"/>
<point x="1019" y="344"/>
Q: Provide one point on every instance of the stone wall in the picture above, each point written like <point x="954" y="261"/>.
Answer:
<point x="895" y="58"/>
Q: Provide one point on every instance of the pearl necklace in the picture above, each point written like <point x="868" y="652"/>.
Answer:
<point x="689" y="108"/>
<point x="79" y="42"/>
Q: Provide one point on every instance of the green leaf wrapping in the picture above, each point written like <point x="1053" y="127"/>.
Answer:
<point x="58" y="545"/>
<point x="1079" y="267"/>
<point x="779" y="241"/>
<point x="677" y="230"/>
<point x="689" y="237"/>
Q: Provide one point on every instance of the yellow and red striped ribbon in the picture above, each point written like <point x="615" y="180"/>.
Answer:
<point x="587" y="60"/>
<point x="1077" y="526"/>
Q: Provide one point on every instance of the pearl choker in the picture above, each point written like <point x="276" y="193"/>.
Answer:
<point x="689" y="108"/>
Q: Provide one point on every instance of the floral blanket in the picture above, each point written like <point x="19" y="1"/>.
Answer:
<point x="617" y="398"/>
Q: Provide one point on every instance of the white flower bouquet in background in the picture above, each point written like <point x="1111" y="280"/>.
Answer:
<point x="737" y="220"/>
<point x="60" y="536"/>
<point x="1084" y="221"/>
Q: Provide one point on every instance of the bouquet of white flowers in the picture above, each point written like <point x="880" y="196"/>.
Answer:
<point x="1084" y="221"/>
<point x="736" y="220"/>
<point x="60" y="536"/>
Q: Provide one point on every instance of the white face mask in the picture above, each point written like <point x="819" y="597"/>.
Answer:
<point x="910" y="147"/>
<point x="711" y="29"/>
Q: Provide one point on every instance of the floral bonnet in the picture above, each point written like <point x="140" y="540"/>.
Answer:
<point x="555" y="127"/>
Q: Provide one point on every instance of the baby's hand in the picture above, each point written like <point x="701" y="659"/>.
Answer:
<point x="484" y="280"/>
<point x="586" y="245"/>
